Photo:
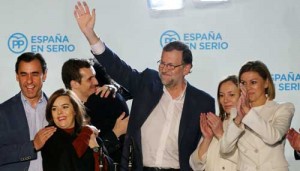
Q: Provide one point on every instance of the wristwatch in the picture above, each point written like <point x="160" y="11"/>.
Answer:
<point x="96" y="149"/>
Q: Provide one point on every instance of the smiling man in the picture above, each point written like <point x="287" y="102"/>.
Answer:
<point x="164" y="120"/>
<point x="22" y="117"/>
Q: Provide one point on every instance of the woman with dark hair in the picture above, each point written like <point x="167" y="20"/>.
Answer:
<point x="74" y="146"/>
<point x="207" y="156"/>
<point x="259" y="128"/>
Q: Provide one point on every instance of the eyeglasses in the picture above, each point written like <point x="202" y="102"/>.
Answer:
<point x="169" y="66"/>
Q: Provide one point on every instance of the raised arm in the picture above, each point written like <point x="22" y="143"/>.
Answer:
<point x="86" y="21"/>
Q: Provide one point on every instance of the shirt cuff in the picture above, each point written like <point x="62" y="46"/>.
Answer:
<point x="98" y="48"/>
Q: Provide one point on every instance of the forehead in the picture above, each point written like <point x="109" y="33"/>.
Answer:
<point x="173" y="56"/>
<point x="32" y="66"/>
<point x="250" y="75"/>
<point x="228" y="86"/>
<point x="87" y="72"/>
<point x="62" y="100"/>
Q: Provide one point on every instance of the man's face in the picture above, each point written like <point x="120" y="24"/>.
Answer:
<point x="88" y="83"/>
<point x="31" y="77"/>
<point x="175" y="76"/>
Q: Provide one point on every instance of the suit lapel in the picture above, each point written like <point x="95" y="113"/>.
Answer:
<point x="188" y="107"/>
<point x="19" y="115"/>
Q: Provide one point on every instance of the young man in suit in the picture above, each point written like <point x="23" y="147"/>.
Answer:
<point x="164" y="121"/>
<point x="294" y="138"/>
<point x="22" y="117"/>
<point x="107" y="114"/>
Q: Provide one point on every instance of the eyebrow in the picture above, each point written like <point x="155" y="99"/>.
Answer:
<point x="34" y="72"/>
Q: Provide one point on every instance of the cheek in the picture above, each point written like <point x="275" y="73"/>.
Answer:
<point x="235" y="100"/>
<point x="222" y="101"/>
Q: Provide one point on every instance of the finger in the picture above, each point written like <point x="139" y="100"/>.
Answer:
<point x="102" y="92"/>
<point x="121" y="116"/>
<point x="80" y="8"/>
<point x="76" y="14"/>
<point x="46" y="137"/>
<point x="76" y="10"/>
<point x="93" y="15"/>
<point x="107" y="92"/>
<point x="86" y="7"/>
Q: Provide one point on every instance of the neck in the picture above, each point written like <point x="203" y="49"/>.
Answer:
<point x="34" y="101"/>
<point x="259" y="102"/>
<point x="176" y="91"/>
<point x="80" y="96"/>
<point x="69" y="130"/>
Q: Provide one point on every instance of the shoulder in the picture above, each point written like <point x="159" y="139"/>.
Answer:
<point x="280" y="108"/>
<point x="12" y="100"/>
<point x="150" y="74"/>
<point x="280" y="105"/>
<point x="198" y="93"/>
<point x="10" y="103"/>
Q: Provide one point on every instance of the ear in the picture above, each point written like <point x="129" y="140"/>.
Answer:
<point x="44" y="76"/>
<point x="17" y="77"/>
<point x="187" y="69"/>
<point x="266" y="83"/>
<point x="74" y="84"/>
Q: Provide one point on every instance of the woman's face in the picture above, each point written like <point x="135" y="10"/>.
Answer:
<point x="228" y="95"/>
<point x="255" y="86"/>
<point x="63" y="113"/>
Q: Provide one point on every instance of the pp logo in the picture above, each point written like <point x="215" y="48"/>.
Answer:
<point x="17" y="43"/>
<point x="168" y="36"/>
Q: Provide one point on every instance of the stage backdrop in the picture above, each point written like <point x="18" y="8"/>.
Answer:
<point x="222" y="37"/>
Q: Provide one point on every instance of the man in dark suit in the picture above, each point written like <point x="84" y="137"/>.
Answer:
<point x="164" y="121"/>
<point x="22" y="117"/>
<point x="105" y="113"/>
<point x="294" y="138"/>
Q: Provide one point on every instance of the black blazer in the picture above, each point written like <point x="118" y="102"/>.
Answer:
<point x="146" y="89"/>
<point x="59" y="154"/>
<point x="104" y="113"/>
<point x="16" y="149"/>
<point x="297" y="156"/>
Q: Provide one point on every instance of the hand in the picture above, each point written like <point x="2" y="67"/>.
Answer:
<point x="105" y="90"/>
<point x="42" y="136"/>
<point x="240" y="114"/>
<point x="245" y="105"/>
<point x="204" y="127"/>
<point x="121" y="124"/>
<point x="215" y="124"/>
<point x="94" y="129"/>
<point x="294" y="139"/>
<point x="86" y="21"/>
<point x="93" y="141"/>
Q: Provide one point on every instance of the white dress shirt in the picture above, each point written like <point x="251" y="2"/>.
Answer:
<point x="36" y="120"/>
<point x="160" y="133"/>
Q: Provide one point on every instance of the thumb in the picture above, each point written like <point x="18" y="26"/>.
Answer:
<point x="121" y="116"/>
<point x="94" y="15"/>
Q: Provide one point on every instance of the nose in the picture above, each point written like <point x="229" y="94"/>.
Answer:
<point x="95" y="81"/>
<point x="29" y="78"/>
<point x="225" y="99"/>
<point x="59" y="111"/>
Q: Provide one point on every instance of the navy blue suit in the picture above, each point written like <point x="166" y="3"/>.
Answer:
<point x="16" y="149"/>
<point x="297" y="156"/>
<point x="146" y="89"/>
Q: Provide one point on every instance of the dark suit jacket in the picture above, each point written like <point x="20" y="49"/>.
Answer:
<point x="147" y="89"/>
<point x="59" y="154"/>
<point x="297" y="156"/>
<point x="104" y="113"/>
<point x="16" y="149"/>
